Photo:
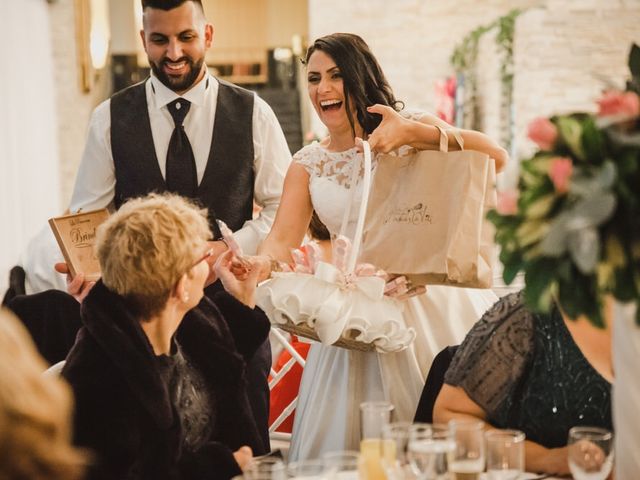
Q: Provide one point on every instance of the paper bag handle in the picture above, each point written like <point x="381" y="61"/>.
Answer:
<point x="366" y="187"/>
<point x="444" y="138"/>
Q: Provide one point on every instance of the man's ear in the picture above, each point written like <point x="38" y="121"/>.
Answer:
<point x="144" y="40"/>
<point x="208" y="35"/>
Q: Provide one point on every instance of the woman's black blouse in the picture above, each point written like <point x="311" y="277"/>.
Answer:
<point x="527" y="373"/>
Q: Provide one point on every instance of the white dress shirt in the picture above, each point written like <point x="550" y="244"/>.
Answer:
<point x="95" y="183"/>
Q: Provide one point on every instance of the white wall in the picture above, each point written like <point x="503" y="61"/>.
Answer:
<point x="29" y="182"/>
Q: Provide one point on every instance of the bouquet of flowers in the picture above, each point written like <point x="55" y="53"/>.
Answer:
<point x="573" y="226"/>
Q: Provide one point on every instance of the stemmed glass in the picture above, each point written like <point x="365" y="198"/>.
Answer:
<point x="306" y="470"/>
<point x="395" y="445"/>
<point x="266" y="468"/>
<point x="431" y="451"/>
<point x="590" y="453"/>
<point x="341" y="465"/>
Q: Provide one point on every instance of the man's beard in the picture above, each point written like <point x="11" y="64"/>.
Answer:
<point x="179" y="83"/>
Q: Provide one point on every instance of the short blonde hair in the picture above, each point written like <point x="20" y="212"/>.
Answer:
<point x="147" y="245"/>
<point x="35" y="412"/>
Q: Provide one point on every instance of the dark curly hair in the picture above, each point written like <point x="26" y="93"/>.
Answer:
<point x="363" y="79"/>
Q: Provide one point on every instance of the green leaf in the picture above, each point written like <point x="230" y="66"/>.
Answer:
<point x="510" y="271"/>
<point x="592" y="141"/>
<point x="539" y="281"/>
<point x="570" y="131"/>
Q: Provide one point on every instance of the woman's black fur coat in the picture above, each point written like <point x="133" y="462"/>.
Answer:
<point x="123" y="411"/>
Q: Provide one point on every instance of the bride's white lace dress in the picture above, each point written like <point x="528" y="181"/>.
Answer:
<point x="335" y="380"/>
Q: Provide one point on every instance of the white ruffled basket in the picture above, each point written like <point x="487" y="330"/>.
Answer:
<point x="335" y="308"/>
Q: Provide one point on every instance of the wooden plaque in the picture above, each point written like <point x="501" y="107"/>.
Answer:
<point x="76" y="236"/>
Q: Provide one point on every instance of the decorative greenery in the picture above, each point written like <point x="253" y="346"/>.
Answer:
<point x="464" y="59"/>
<point x="575" y="226"/>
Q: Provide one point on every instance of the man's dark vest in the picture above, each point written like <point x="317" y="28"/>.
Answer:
<point x="226" y="188"/>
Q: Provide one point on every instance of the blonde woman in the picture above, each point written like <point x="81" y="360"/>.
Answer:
<point x="35" y="412"/>
<point x="159" y="371"/>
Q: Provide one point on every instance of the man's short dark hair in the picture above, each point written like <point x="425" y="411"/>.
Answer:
<point x="168" y="4"/>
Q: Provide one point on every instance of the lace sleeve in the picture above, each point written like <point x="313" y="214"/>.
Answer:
<point x="494" y="355"/>
<point x="308" y="157"/>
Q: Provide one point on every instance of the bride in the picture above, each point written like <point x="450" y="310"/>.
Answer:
<point x="353" y="99"/>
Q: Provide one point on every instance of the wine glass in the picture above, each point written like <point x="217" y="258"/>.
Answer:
<point x="431" y="450"/>
<point x="341" y="465"/>
<point x="590" y="453"/>
<point x="266" y="468"/>
<point x="395" y="444"/>
<point x="306" y="470"/>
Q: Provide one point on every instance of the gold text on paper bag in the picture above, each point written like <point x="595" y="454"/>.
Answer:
<point x="413" y="215"/>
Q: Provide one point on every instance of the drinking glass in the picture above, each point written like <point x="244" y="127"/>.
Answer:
<point x="431" y="450"/>
<point x="266" y="468"/>
<point x="395" y="443"/>
<point x="469" y="457"/>
<point x="590" y="453"/>
<point x="341" y="465"/>
<point x="505" y="454"/>
<point x="374" y="416"/>
<point x="306" y="470"/>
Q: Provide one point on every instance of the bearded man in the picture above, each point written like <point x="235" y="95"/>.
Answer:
<point x="185" y="131"/>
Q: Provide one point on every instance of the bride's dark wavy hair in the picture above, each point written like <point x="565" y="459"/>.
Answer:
<point x="363" y="79"/>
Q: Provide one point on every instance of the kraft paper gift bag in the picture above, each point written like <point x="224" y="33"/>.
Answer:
<point x="426" y="216"/>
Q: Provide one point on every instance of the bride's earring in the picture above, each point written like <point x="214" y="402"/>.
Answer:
<point x="185" y="297"/>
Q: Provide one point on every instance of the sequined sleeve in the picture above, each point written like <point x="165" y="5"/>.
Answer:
<point x="495" y="354"/>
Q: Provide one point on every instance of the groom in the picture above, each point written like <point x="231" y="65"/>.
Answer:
<point x="185" y="131"/>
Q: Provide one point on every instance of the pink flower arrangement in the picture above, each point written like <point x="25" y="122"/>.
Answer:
<point x="543" y="132"/>
<point x="445" y="97"/>
<point x="560" y="173"/>
<point x="507" y="202"/>
<point x="619" y="103"/>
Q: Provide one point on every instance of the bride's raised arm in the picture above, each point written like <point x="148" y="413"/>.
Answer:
<point x="396" y="130"/>
<point x="292" y="218"/>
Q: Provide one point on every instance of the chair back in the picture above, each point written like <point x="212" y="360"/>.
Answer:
<point x="433" y="384"/>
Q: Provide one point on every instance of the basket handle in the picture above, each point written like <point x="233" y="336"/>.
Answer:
<point x="366" y="187"/>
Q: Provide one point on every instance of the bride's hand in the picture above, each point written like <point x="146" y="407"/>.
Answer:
<point x="393" y="131"/>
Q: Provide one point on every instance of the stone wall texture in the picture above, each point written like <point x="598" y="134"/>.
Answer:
<point x="565" y="51"/>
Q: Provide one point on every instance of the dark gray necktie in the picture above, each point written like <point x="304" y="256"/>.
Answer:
<point x="181" y="164"/>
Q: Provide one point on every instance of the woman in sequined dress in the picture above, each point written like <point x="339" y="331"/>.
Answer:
<point x="538" y="373"/>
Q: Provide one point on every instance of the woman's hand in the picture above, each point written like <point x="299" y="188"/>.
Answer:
<point x="393" y="132"/>
<point x="243" y="457"/>
<point x="242" y="287"/>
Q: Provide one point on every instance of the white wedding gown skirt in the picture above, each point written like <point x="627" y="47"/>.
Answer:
<point x="335" y="380"/>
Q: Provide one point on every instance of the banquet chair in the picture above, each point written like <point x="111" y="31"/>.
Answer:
<point x="433" y="384"/>
<point x="17" y="277"/>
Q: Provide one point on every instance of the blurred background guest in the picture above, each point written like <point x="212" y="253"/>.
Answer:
<point x="35" y="413"/>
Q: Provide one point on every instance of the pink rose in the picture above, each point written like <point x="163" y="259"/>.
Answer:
<point x="450" y="86"/>
<point x="543" y="132"/>
<point x="560" y="173"/>
<point x="619" y="103"/>
<point x="508" y="202"/>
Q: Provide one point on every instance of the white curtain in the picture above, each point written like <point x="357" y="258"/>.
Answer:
<point x="29" y="183"/>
